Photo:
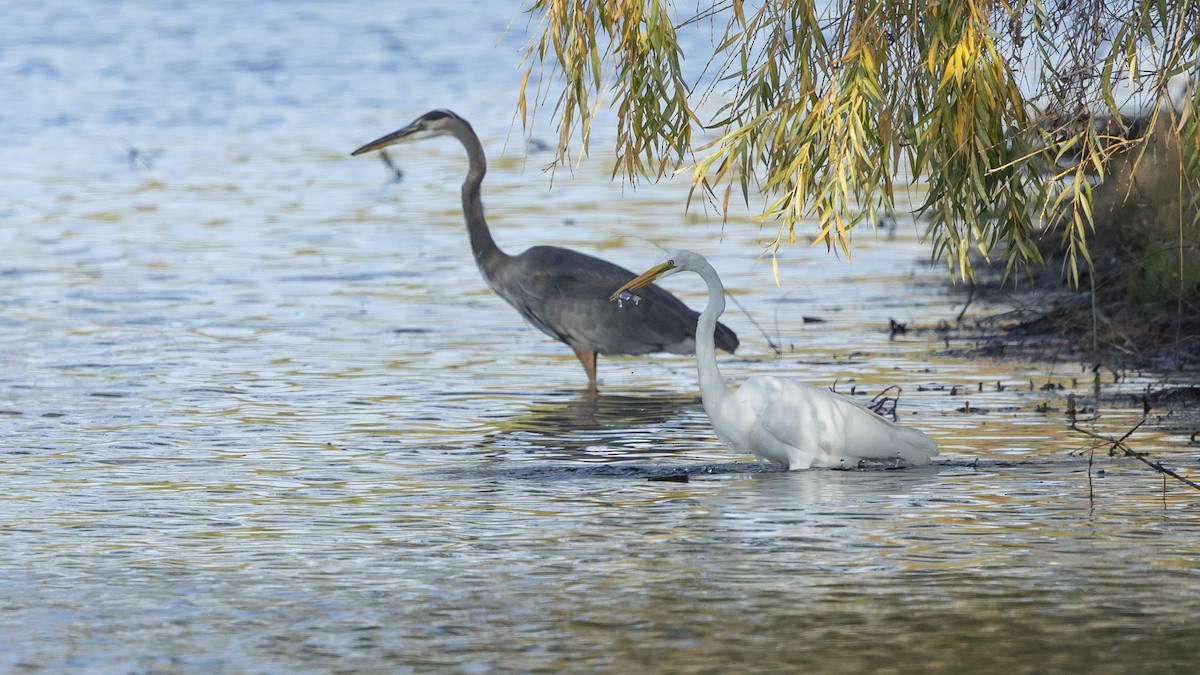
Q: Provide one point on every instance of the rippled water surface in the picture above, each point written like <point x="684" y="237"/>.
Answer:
<point x="260" y="414"/>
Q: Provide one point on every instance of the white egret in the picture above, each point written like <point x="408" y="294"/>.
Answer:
<point x="781" y="420"/>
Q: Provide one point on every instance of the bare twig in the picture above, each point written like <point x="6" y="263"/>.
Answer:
<point x="1091" y="491"/>
<point x="879" y="404"/>
<point x="395" y="173"/>
<point x="770" y="343"/>
<point x="138" y="157"/>
<point x="1129" y="452"/>
<point x="970" y="297"/>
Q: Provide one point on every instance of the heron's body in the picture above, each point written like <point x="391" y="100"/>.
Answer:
<point x="559" y="291"/>
<point x="562" y="292"/>
<point x="780" y="420"/>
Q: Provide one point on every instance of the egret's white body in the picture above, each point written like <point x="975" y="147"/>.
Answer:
<point x="780" y="420"/>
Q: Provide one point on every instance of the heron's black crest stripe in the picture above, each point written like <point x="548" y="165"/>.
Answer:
<point x="440" y="114"/>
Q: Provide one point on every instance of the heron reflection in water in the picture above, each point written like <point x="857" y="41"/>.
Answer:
<point x="562" y="292"/>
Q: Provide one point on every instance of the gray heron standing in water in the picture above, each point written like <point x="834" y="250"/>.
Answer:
<point x="562" y="292"/>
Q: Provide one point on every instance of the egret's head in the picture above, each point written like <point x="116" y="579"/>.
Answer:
<point x="663" y="269"/>
<point x="432" y="123"/>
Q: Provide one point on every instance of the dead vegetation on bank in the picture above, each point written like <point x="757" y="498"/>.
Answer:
<point x="1135" y="311"/>
<point x="1137" y="305"/>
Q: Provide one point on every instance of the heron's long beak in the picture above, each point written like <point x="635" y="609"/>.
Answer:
<point x="383" y="142"/>
<point x="644" y="279"/>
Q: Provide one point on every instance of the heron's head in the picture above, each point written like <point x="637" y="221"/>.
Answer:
<point x="676" y="263"/>
<point x="432" y="123"/>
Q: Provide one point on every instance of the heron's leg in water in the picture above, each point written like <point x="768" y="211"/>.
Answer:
<point x="588" y="358"/>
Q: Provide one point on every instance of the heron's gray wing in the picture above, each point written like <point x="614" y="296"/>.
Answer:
<point x="565" y="294"/>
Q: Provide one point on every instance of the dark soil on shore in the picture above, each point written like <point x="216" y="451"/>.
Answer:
<point x="1109" y="339"/>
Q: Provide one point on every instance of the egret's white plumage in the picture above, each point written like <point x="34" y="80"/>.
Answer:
<point x="780" y="420"/>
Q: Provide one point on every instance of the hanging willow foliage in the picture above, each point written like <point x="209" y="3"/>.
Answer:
<point x="996" y="108"/>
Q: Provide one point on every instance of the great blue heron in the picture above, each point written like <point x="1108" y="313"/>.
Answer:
<point x="562" y="292"/>
<point x="786" y="422"/>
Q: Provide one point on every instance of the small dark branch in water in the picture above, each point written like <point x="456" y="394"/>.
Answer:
<point x="770" y="343"/>
<point x="884" y="405"/>
<point x="395" y="173"/>
<point x="140" y="158"/>
<point x="1157" y="466"/>
<point x="887" y="224"/>
<point x="1091" y="490"/>
<point x="896" y="328"/>
<point x="1129" y="452"/>
<point x="673" y="478"/>
<point x="970" y="297"/>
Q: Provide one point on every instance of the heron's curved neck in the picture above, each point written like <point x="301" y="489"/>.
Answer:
<point x="482" y="244"/>
<point x="712" y="384"/>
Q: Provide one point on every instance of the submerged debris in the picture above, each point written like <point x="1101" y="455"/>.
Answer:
<point x="671" y="478"/>
<point x="395" y="173"/>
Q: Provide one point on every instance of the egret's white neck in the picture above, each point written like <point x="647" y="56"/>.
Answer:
<point x="712" y="385"/>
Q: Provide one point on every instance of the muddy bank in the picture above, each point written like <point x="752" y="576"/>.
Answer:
<point x="1135" y="304"/>
<point x="1095" y="342"/>
<point x="1048" y="322"/>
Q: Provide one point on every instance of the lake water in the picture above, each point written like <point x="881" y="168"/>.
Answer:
<point x="260" y="413"/>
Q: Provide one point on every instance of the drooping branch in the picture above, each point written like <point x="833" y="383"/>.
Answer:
<point x="1007" y="113"/>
